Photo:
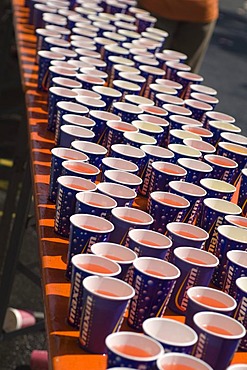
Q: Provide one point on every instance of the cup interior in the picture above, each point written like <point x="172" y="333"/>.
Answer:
<point x="115" y="252"/>
<point x="156" y="268"/>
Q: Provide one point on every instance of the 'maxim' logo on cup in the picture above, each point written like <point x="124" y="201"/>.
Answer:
<point x="226" y="176"/>
<point x="147" y="177"/>
<point x="86" y="320"/>
<point x="147" y="85"/>
<point x="58" y="211"/>
<point x="134" y="301"/>
<point x="195" y="212"/>
<point x="202" y="341"/>
<point x="228" y="280"/>
<point x="214" y="239"/>
<point x="188" y="282"/>
<point x="109" y="140"/>
<point x="88" y="245"/>
<point x="241" y="311"/>
<point x="74" y="298"/>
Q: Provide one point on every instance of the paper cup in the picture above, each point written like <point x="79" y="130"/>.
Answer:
<point x="148" y="243"/>
<point x="146" y="350"/>
<point x="181" y="360"/>
<point x="219" y="336"/>
<point x="125" y="219"/>
<point x="181" y="151"/>
<point x="202" y="298"/>
<point x="80" y="169"/>
<point x="95" y="152"/>
<point x="172" y="335"/>
<point x="224" y="168"/>
<point x="241" y="312"/>
<point x="195" y="169"/>
<point x="83" y="266"/>
<point x="102" y="295"/>
<point x="218" y="188"/>
<point x="197" y="267"/>
<point x="68" y="186"/>
<point x="16" y="319"/>
<point x="114" y="133"/>
<point x="116" y="252"/>
<point x="202" y="146"/>
<point x="236" y="267"/>
<point x="153" y="281"/>
<point x="70" y="133"/>
<point x="123" y="195"/>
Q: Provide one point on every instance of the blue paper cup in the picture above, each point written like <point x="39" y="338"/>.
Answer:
<point x="95" y="152"/>
<point x="181" y="360"/>
<point x="127" y="112"/>
<point x="70" y="133"/>
<point x="148" y="243"/>
<point x="111" y="163"/>
<point x="217" y="349"/>
<point x="91" y="103"/>
<point x="123" y="195"/>
<point x="150" y="129"/>
<point x="101" y="118"/>
<point x="126" y="219"/>
<point x="45" y="58"/>
<point x="41" y="33"/>
<point x="186" y="79"/>
<point x="67" y="53"/>
<point x="65" y="82"/>
<point x="236" y="267"/>
<point x="233" y="138"/>
<point x="184" y="234"/>
<point x="201" y="298"/>
<point x="236" y="152"/>
<point x="157" y="121"/>
<point x="149" y="348"/>
<point x="177" y="121"/>
<point x="128" y="152"/>
<point x="239" y="221"/>
<point x="163" y="98"/>
<point x="202" y="89"/>
<point x="217" y="116"/>
<point x="80" y="169"/>
<point x="137" y="100"/>
<point x="174" y="109"/>
<point x="217" y="127"/>
<point x="209" y="99"/>
<point x="123" y="178"/>
<point x="144" y="21"/>
<point x="241" y="312"/>
<point x="242" y="192"/>
<point x="100" y="43"/>
<point x="77" y="120"/>
<point x="95" y="204"/>
<point x="117" y="68"/>
<point x="58" y="156"/>
<point x="57" y="94"/>
<point x="108" y="95"/>
<point x="172" y="67"/>
<point x="162" y="173"/>
<point x="202" y="146"/>
<point x="166" y="207"/>
<point x="151" y="74"/>
<point x="65" y="32"/>
<point x="157" y="89"/>
<point x="103" y="297"/>
<point x="168" y="83"/>
<point x="56" y="71"/>
<point x="114" y="133"/>
<point x="87" y="93"/>
<point x="154" y="110"/>
<point x="229" y="238"/>
<point x="198" y="108"/>
<point x="178" y="136"/>
<point x="138" y="139"/>
<point x="197" y="267"/>
<point x="237" y="367"/>
<point x="181" y="151"/>
<point x="153" y="153"/>
<point x="193" y="193"/>
<point x="153" y="281"/>
<point x="85" y="230"/>
<point x="68" y="187"/>
<point x="84" y="265"/>
<point x="89" y="81"/>
<point x="37" y="11"/>
<point x="90" y="72"/>
<point x="218" y="188"/>
<point x="126" y="88"/>
<point x="201" y="131"/>
<point x="174" y="336"/>
<point x="195" y="169"/>
<point x="212" y="216"/>
<point x="50" y="42"/>
<point x="133" y="78"/>
<point x="97" y="63"/>
<point x="117" y="253"/>
<point x="224" y="168"/>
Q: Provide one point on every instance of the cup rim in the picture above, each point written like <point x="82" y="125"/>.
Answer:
<point x="140" y="212"/>
<point x="208" y="289"/>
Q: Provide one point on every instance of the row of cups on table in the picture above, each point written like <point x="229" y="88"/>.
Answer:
<point x="128" y="113"/>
